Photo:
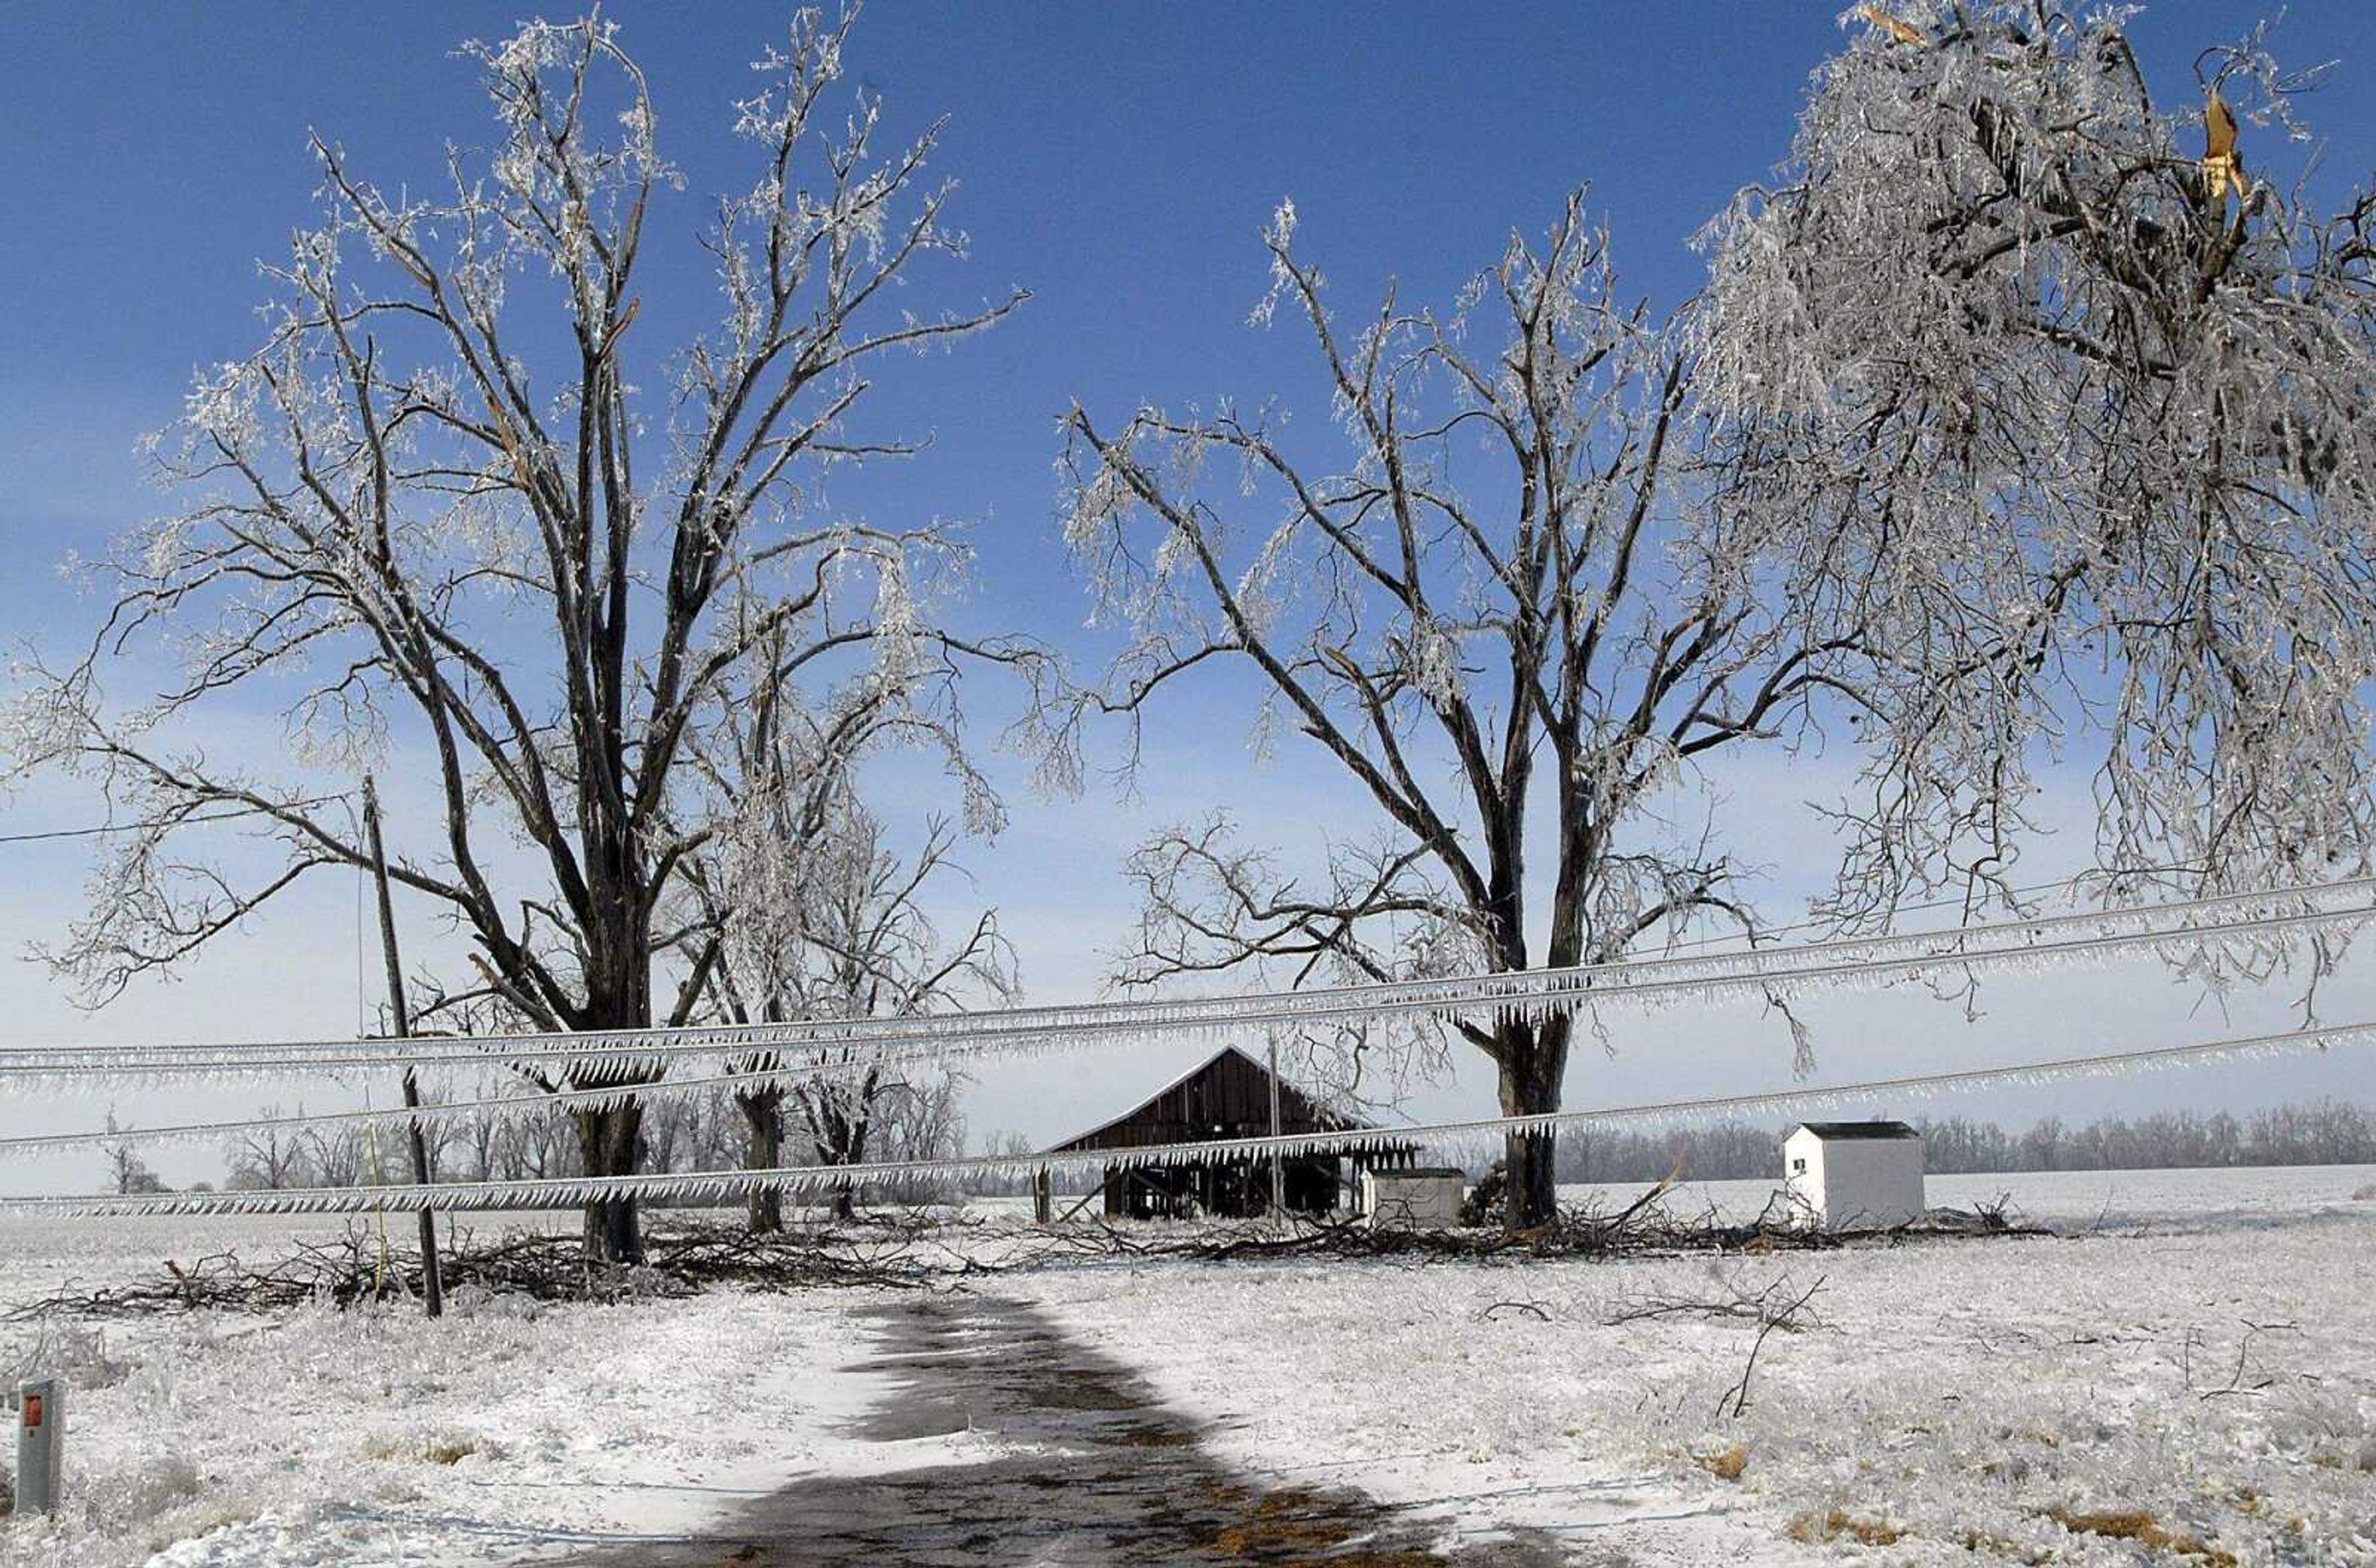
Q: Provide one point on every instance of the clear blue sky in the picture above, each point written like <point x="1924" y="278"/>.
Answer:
<point x="1117" y="160"/>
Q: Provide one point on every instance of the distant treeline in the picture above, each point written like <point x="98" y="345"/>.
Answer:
<point x="2323" y="1132"/>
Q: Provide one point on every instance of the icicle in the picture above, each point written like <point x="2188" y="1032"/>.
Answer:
<point x="1451" y="1136"/>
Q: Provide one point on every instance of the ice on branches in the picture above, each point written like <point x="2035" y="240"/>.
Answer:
<point x="2035" y="378"/>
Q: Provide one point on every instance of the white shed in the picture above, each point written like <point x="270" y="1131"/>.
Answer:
<point x="1416" y="1198"/>
<point x="1853" y="1175"/>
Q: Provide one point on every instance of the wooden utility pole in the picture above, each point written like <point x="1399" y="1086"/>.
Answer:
<point x="1278" y="1169"/>
<point x="432" y="1288"/>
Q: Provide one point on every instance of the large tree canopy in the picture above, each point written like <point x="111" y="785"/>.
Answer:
<point x="436" y="507"/>
<point x="2041" y="387"/>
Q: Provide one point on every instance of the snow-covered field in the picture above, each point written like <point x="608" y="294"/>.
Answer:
<point x="320" y="1437"/>
<point x="2069" y="1200"/>
<point x="2187" y="1360"/>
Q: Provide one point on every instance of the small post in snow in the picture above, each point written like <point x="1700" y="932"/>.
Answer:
<point x="40" y="1442"/>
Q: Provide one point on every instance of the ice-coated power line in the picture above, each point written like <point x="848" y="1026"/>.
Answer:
<point x="109" y="829"/>
<point x="517" y="1105"/>
<point x="725" y="1185"/>
<point x="2038" y="943"/>
<point x="429" y="1114"/>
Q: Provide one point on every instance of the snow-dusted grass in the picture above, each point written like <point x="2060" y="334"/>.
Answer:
<point x="323" y="1437"/>
<point x="2202" y="1378"/>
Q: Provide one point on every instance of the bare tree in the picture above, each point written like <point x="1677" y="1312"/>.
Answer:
<point x="434" y="508"/>
<point x="270" y="1158"/>
<point x="126" y="1171"/>
<point x="1904" y="474"/>
<point x="878" y="954"/>
<point x="851" y="939"/>
<point x="345" y="1156"/>
<point x="479" y="1138"/>
<point x="1444" y="641"/>
<point x="1008" y="1145"/>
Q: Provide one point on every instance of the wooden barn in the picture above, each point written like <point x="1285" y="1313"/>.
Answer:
<point x="1227" y="1097"/>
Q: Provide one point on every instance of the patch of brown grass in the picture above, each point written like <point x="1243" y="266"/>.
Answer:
<point x="2137" y="1525"/>
<point x="1726" y="1465"/>
<point x="1291" y="1521"/>
<point x="1816" y="1529"/>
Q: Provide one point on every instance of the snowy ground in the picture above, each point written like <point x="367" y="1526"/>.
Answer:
<point x="2193" y="1346"/>
<point x="505" y="1433"/>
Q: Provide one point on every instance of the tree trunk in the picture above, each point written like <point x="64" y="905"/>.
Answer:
<point x="853" y="1152"/>
<point x="1534" y="1065"/>
<point x="618" y="999"/>
<point x="608" y="1144"/>
<point x="763" y="1111"/>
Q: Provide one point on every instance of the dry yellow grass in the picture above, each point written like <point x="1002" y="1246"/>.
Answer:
<point x="2136" y="1525"/>
<point x="1814" y="1529"/>
<point x="1727" y="1464"/>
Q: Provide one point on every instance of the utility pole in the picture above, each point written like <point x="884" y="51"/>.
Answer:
<point x="1277" y="1171"/>
<point x="432" y="1288"/>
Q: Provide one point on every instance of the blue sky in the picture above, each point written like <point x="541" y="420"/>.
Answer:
<point x="1117" y="160"/>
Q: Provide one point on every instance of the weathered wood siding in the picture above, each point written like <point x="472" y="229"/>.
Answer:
<point x="1229" y="1098"/>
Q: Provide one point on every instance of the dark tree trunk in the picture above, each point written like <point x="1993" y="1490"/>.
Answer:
<point x="608" y="1141"/>
<point x="619" y="997"/>
<point x="1534" y="1065"/>
<point x="852" y="1151"/>
<point x="763" y="1112"/>
<point x="838" y="1135"/>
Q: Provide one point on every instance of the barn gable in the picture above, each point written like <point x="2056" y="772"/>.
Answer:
<point x="1228" y="1096"/>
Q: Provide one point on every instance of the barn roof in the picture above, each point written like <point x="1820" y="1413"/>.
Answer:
<point x="1219" y="1091"/>
<point x="1834" y="1132"/>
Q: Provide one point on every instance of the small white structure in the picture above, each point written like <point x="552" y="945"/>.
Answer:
<point x="1420" y="1198"/>
<point x="1853" y="1175"/>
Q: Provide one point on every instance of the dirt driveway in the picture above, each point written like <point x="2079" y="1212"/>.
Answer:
<point x="1102" y="1473"/>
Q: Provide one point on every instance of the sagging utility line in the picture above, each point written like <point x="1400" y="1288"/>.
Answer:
<point x="1484" y="1133"/>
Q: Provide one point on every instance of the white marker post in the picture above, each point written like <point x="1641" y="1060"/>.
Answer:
<point x="40" y="1442"/>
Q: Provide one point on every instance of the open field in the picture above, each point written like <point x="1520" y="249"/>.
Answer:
<point x="2192" y="1348"/>
<point x="2179" y="1374"/>
<point x="2068" y="1199"/>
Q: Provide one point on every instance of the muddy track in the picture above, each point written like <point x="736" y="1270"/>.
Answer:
<point x="1108" y="1476"/>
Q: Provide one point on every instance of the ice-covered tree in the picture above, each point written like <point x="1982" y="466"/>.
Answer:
<point x="2044" y="390"/>
<point x="127" y="1172"/>
<point x="813" y="912"/>
<point x="853" y="939"/>
<point x="2007" y="428"/>
<point x="452" y="504"/>
<point x="1483" y="604"/>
